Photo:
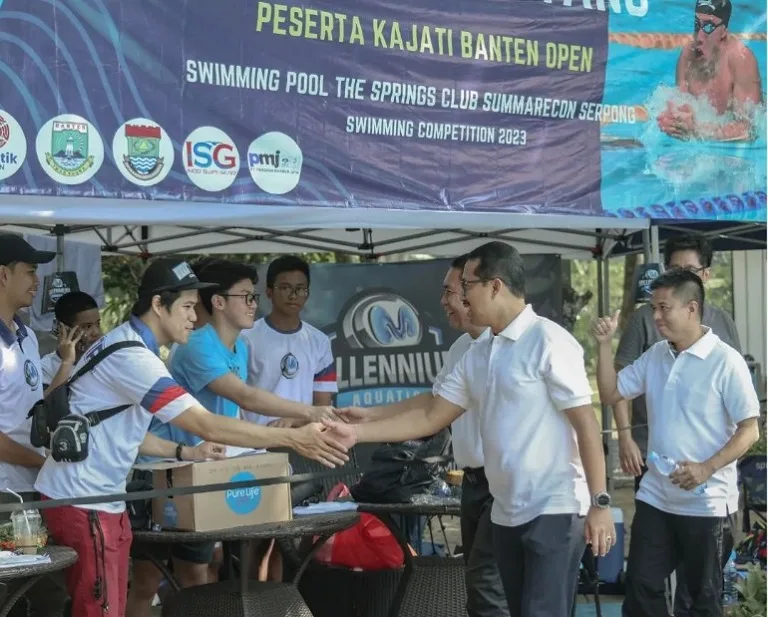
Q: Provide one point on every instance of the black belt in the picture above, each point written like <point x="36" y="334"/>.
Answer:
<point x="475" y="475"/>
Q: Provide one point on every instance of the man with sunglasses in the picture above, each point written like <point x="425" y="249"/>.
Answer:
<point x="692" y="253"/>
<point x="716" y="66"/>
<point x="287" y="356"/>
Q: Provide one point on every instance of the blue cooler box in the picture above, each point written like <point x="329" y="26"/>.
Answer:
<point x="611" y="567"/>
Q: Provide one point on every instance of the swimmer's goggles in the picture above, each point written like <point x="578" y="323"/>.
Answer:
<point x="708" y="27"/>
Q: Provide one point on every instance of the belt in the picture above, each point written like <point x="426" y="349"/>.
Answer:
<point x="475" y="475"/>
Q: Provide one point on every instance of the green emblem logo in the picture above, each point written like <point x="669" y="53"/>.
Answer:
<point x="69" y="155"/>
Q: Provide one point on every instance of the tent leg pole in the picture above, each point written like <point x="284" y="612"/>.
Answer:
<point x="655" y="248"/>
<point x="59" y="249"/>
<point x="646" y="246"/>
<point x="603" y="308"/>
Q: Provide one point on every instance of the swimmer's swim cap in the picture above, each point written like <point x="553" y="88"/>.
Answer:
<point x="718" y="8"/>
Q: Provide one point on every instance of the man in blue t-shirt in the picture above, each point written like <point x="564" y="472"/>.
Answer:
<point x="213" y="366"/>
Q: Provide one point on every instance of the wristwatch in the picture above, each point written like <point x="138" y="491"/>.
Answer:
<point x="179" y="448"/>
<point x="601" y="500"/>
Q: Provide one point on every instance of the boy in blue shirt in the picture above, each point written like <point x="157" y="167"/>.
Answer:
<point x="213" y="366"/>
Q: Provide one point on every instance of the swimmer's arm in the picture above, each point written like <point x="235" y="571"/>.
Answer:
<point x="680" y="81"/>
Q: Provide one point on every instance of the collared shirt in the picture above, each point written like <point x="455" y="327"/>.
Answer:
<point x="293" y="365"/>
<point x="20" y="388"/>
<point x="695" y="400"/>
<point x="135" y="376"/>
<point x="194" y="365"/>
<point x="465" y="430"/>
<point x="519" y="382"/>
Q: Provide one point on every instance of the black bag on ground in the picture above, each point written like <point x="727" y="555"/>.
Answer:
<point x="55" y="427"/>
<point x="390" y="482"/>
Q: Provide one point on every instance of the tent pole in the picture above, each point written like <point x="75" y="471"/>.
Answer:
<point x="603" y="301"/>
<point x="655" y="248"/>
<point x="59" y="231"/>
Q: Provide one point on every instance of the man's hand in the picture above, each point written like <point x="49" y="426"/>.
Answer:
<point x="678" y="121"/>
<point x="343" y="433"/>
<point x="690" y="475"/>
<point x="354" y="415"/>
<point x="630" y="457"/>
<point x="68" y="340"/>
<point x="285" y="423"/>
<point x="325" y="412"/>
<point x="603" y="328"/>
<point x="317" y="442"/>
<point x="600" y="530"/>
<point x="205" y="451"/>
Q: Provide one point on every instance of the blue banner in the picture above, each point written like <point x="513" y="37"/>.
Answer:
<point x="623" y="108"/>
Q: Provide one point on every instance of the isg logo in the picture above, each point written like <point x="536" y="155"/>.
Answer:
<point x="211" y="159"/>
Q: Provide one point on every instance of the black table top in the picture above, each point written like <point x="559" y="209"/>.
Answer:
<point x="61" y="557"/>
<point x="431" y="508"/>
<point x="301" y="526"/>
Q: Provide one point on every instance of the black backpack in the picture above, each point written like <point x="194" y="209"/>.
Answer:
<point x="390" y="482"/>
<point x="55" y="427"/>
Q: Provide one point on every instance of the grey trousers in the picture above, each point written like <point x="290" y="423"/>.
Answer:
<point x="485" y="593"/>
<point x="539" y="564"/>
<point x="48" y="596"/>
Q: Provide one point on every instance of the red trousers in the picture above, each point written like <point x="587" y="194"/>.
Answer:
<point x="98" y="581"/>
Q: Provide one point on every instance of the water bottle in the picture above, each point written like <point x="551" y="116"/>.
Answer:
<point x="730" y="578"/>
<point x="666" y="466"/>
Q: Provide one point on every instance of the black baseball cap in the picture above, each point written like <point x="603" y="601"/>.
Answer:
<point x="170" y="275"/>
<point x="14" y="248"/>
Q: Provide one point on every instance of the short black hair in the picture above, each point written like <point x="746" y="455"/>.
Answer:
<point x="684" y="284"/>
<point x="690" y="242"/>
<point x="70" y="304"/>
<point x="502" y="261"/>
<point x="144" y="302"/>
<point x="460" y="262"/>
<point x="286" y="263"/>
<point x="225" y="274"/>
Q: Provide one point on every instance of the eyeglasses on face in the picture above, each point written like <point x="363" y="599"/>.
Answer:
<point x="249" y="298"/>
<point x="467" y="284"/>
<point x="300" y="291"/>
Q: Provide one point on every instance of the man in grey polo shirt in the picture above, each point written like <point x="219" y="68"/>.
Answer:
<point x="692" y="253"/>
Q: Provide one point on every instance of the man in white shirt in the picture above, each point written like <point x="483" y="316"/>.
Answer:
<point x="20" y="388"/>
<point x="702" y="416"/>
<point x="485" y="594"/>
<point x="101" y="533"/>
<point x="542" y="448"/>
<point x="286" y="355"/>
<point x="78" y="325"/>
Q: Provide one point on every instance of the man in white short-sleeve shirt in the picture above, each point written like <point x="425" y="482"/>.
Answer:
<point x="485" y="594"/>
<point x="286" y="355"/>
<point x="101" y="533"/>
<point x="702" y="416"/>
<point x="542" y="448"/>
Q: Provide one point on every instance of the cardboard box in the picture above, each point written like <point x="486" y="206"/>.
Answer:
<point x="221" y="510"/>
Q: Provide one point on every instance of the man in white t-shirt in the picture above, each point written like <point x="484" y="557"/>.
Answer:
<point x="542" y="447"/>
<point x="288" y="356"/>
<point x="20" y="388"/>
<point x="101" y="533"/>
<point x="78" y="324"/>
<point x="702" y="416"/>
<point x="485" y="595"/>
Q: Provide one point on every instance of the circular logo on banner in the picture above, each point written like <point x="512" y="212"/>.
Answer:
<point x="143" y="152"/>
<point x="13" y="146"/>
<point x="211" y="159"/>
<point x="243" y="501"/>
<point x="289" y="366"/>
<point x="69" y="149"/>
<point x="382" y="320"/>
<point x="31" y="376"/>
<point x="275" y="162"/>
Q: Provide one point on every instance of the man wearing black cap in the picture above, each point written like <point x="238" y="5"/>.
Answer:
<point x="718" y="68"/>
<point x="101" y="533"/>
<point x="21" y="386"/>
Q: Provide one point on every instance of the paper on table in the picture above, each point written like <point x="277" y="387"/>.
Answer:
<point x="12" y="560"/>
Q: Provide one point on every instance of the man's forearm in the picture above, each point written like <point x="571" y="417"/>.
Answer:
<point x="738" y="130"/>
<point x="61" y="377"/>
<point x="408" y="425"/>
<point x="16" y="454"/>
<point x="622" y="416"/>
<point x="162" y="448"/>
<point x="232" y="432"/>
<point x="592" y="457"/>
<point x="268" y="404"/>
<point x="414" y="403"/>
<point x="746" y="434"/>
<point x="606" y="374"/>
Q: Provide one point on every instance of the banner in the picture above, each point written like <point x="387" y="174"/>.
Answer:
<point x="382" y="365"/>
<point x="624" y="108"/>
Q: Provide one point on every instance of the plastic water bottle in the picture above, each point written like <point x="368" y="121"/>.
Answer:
<point x="730" y="578"/>
<point x="666" y="466"/>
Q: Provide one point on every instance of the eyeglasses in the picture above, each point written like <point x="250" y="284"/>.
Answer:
<point x="708" y="26"/>
<point x="290" y="290"/>
<point x="249" y="298"/>
<point x="692" y="269"/>
<point x="465" y="285"/>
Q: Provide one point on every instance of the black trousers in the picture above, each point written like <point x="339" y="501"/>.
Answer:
<point x="539" y="564"/>
<point x="682" y="601"/>
<point x="485" y="593"/>
<point x="659" y="543"/>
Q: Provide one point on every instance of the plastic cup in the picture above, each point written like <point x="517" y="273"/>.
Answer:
<point x="26" y="530"/>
